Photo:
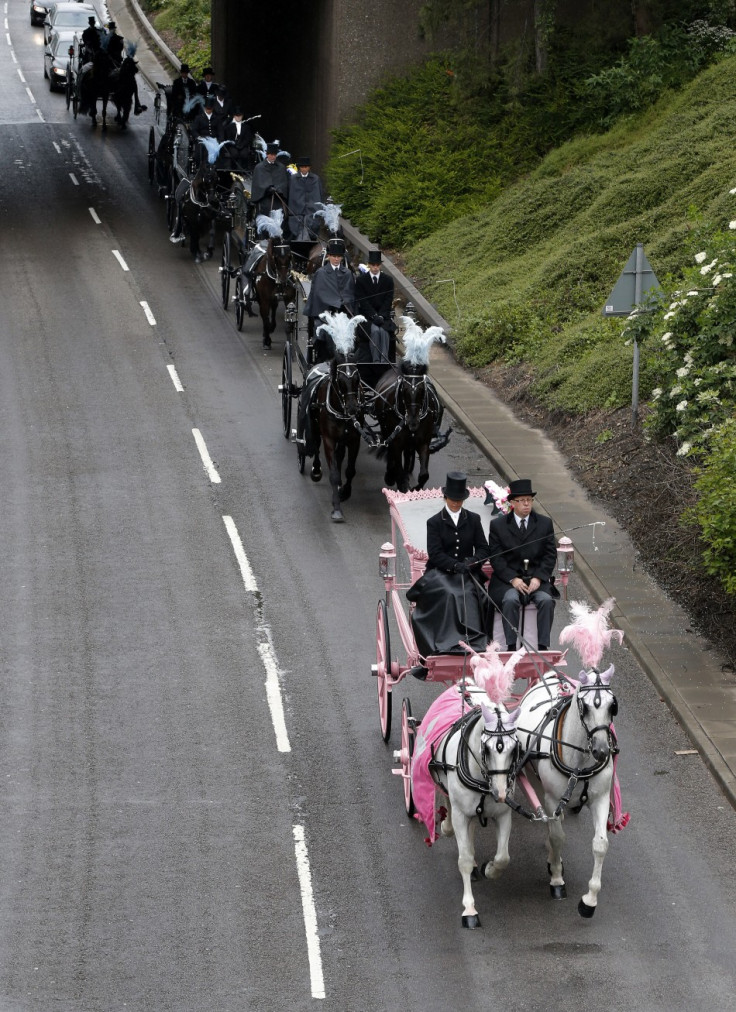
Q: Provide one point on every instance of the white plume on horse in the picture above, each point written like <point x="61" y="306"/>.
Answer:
<point x="192" y="102"/>
<point x="330" y="214"/>
<point x="131" y="48"/>
<point x="270" y="226"/>
<point x="341" y="329"/>
<point x="213" y="147"/>
<point x="417" y="342"/>
<point x="590" y="632"/>
<point x="283" y="154"/>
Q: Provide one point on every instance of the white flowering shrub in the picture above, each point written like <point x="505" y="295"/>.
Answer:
<point x="694" y="333"/>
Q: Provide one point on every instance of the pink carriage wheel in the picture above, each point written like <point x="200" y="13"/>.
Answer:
<point x="383" y="669"/>
<point x="407" y="750"/>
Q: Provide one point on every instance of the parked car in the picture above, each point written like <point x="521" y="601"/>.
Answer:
<point x="56" y="58"/>
<point x="68" y="15"/>
<point x="39" y="11"/>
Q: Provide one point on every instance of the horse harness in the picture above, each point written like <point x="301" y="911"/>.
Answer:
<point x="430" y="401"/>
<point x="465" y="725"/>
<point x="556" y="716"/>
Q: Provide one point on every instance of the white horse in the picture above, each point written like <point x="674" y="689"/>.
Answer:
<point x="473" y="764"/>
<point x="570" y="743"/>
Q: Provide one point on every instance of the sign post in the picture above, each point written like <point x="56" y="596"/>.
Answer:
<point x="637" y="279"/>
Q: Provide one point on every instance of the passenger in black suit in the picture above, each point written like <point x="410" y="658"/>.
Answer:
<point x="239" y="154"/>
<point x="523" y="554"/>
<point x="448" y="605"/>
<point x="183" y="88"/>
<point x="374" y="296"/>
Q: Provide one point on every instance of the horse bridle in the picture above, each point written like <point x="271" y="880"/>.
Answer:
<point x="413" y="381"/>
<point x="280" y="285"/>
<point x="343" y="415"/>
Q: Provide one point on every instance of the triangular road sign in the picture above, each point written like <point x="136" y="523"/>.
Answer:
<point x="623" y="298"/>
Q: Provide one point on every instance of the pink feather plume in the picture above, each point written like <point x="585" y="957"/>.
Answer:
<point x="492" y="675"/>
<point x="590" y="632"/>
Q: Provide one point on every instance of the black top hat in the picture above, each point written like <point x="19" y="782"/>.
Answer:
<point x="92" y="19"/>
<point x="111" y="25"/>
<point x="184" y="69"/>
<point x="208" y="70"/>
<point x="238" y="111"/>
<point x="335" y="247"/>
<point x="303" y="161"/>
<point x="522" y="486"/>
<point x="374" y="256"/>
<point x="209" y="102"/>
<point x="456" y="486"/>
<point x="272" y="149"/>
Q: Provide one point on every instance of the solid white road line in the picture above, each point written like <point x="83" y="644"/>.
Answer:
<point x="74" y="179"/>
<point x="206" y="459"/>
<point x="149" y="315"/>
<point x="92" y="211"/>
<point x="118" y="257"/>
<point x="175" y="379"/>
<point x="310" y="914"/>
<point x="249" y="580"/>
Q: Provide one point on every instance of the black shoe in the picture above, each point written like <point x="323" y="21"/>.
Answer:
<point x="419" y="671"/>
<point x="542" y="647"/>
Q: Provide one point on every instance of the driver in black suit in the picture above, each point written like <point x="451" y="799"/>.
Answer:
<point x="523" y="553"/>
<point x="374" y="297"/>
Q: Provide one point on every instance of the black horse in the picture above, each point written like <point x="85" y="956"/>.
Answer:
<point x="124" y="90"/>
<point x="331" y="414"/>
<point x="200" y="207"/>
<point x="272" y="280"/>
<point x="96" y="83"/>
<point x="409" y="414"/>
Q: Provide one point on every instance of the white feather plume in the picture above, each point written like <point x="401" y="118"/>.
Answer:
<point x="417" y="342"/>
<point x="131" y="48"/>
<point x="259" y="144"/>
<point x="192" y="102"/>
<point x="341" y="329"/>
<point x="330" y="214"/>
<point x="213" y="147"/>
<point x="267" y="225"/>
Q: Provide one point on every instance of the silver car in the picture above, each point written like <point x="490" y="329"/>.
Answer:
<point x="68" y="16"/>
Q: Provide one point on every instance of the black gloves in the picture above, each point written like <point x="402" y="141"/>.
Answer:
<point x="462" y="567"/>
<point x="378" y="321"/>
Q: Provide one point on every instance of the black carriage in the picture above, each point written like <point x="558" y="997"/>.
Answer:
<point x="170" y="155"/>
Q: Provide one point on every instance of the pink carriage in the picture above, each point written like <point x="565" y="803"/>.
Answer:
<point x="409" y="514"/>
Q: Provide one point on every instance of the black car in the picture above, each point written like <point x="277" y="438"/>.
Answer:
<point x="39" y="10"/>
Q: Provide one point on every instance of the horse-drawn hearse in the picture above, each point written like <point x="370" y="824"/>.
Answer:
<point x="504" y="720"/>
<point x="399" y="418"/>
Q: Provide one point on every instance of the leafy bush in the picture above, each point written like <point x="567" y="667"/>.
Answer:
<point x="715" y="510"/>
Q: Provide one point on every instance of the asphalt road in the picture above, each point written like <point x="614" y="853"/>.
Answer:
<point x="167" y="842"/>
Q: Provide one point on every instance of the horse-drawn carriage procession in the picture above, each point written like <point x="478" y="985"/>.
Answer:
<point x="102" y="68"/>
<point x="510" y="721"/>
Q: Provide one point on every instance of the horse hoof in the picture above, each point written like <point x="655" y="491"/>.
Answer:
<point x="471" y="921"/>
<point x="316" y="475"/>
<point x="584" y="910"/>
<point x="198" y="259"/>
<point x="337" y="516"/>
<point x="558" y="892"/>
<point x="267" y="342"/>
<point x="209" y="252"/>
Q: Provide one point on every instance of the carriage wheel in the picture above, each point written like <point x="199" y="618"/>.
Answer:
<point x="75" y="100"/>
<point x="151" y="156"/>
<point x="225" y="271"/>
<point x="300" y="454"/>
<point x="170" y="208"/>
<point x="239" y="302"/>
<point x="286" y="390"/>
<point x="407" y="751"/>
<point x="383" y="669"/>
<point x="68" y="88"/>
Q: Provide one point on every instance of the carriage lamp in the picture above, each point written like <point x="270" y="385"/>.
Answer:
<point x="387" y="561"/>
<point x="410" y="310"/>
<point x="565" y="560"/>
<point x="290" y="313"/>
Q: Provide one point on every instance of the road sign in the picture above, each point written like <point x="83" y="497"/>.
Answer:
<point x="637" y="279"/>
